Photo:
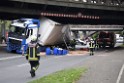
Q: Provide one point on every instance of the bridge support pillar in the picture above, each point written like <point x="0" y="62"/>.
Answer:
<point x="84" y="34"/>
<point x="76" y="34"/>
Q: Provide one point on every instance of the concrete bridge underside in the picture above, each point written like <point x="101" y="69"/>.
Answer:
<point x="63" y="12"/>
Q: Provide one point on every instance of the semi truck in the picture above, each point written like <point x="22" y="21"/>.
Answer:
<point x="48" y="32"/>
<point x="106" y="38"/>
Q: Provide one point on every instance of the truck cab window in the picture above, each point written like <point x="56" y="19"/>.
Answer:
<point x="29" y="32"/>
<point x="12" y="29"/>
<point x="17" y="30"/>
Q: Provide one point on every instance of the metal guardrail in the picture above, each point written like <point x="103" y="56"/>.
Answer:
<point x="90" y="4"/>
<point x="93" y="2"/>
<point x="96" y="2"/>
<point x="96" y="27"/>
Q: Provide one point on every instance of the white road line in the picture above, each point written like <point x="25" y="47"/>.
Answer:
<point x="12" y="57"/>
<point x="58" y="56"/>
<point x="25" y="64"/>
<point x="120" y="74"/>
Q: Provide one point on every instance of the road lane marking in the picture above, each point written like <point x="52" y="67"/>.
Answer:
<point x="25" y="64"/>
<point x="58" y="56"/>
<point x="120" y="74"/>
<point x="12" y="57"/>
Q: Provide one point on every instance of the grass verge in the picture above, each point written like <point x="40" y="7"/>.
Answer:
<point x="64" y="76"/>
<point x="122" y="45"/>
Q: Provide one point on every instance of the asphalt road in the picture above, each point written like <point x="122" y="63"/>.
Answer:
<point x="104" y="67"/>
<point x="15" y="68"/>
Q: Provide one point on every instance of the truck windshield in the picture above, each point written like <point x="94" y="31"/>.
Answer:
<point x="17" y="30"/>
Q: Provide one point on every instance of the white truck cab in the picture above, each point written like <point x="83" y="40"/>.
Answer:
<point x="20" y="34"/>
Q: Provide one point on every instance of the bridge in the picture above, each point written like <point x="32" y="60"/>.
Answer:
<point x="88" y="30"/>
<point x="66" y="11"/>
<point x="96" y="27"/>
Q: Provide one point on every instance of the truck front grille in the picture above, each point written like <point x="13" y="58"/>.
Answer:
<point x="15" y="41"/>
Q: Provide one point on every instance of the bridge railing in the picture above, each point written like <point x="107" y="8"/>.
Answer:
<point x="97" y="2"/>
<point x="96" y="27"/>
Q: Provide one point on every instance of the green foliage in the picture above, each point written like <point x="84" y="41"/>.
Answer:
<point x="95" y="36"/>
<point x="122" y="45"/>
<point x="64" y="76"/>
<point x="119" y="32"/>
<point x="72" y="44"/>
<point x="6" y="23"/>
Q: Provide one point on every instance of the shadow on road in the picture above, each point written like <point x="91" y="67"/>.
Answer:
<point x="108" y="49"/>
